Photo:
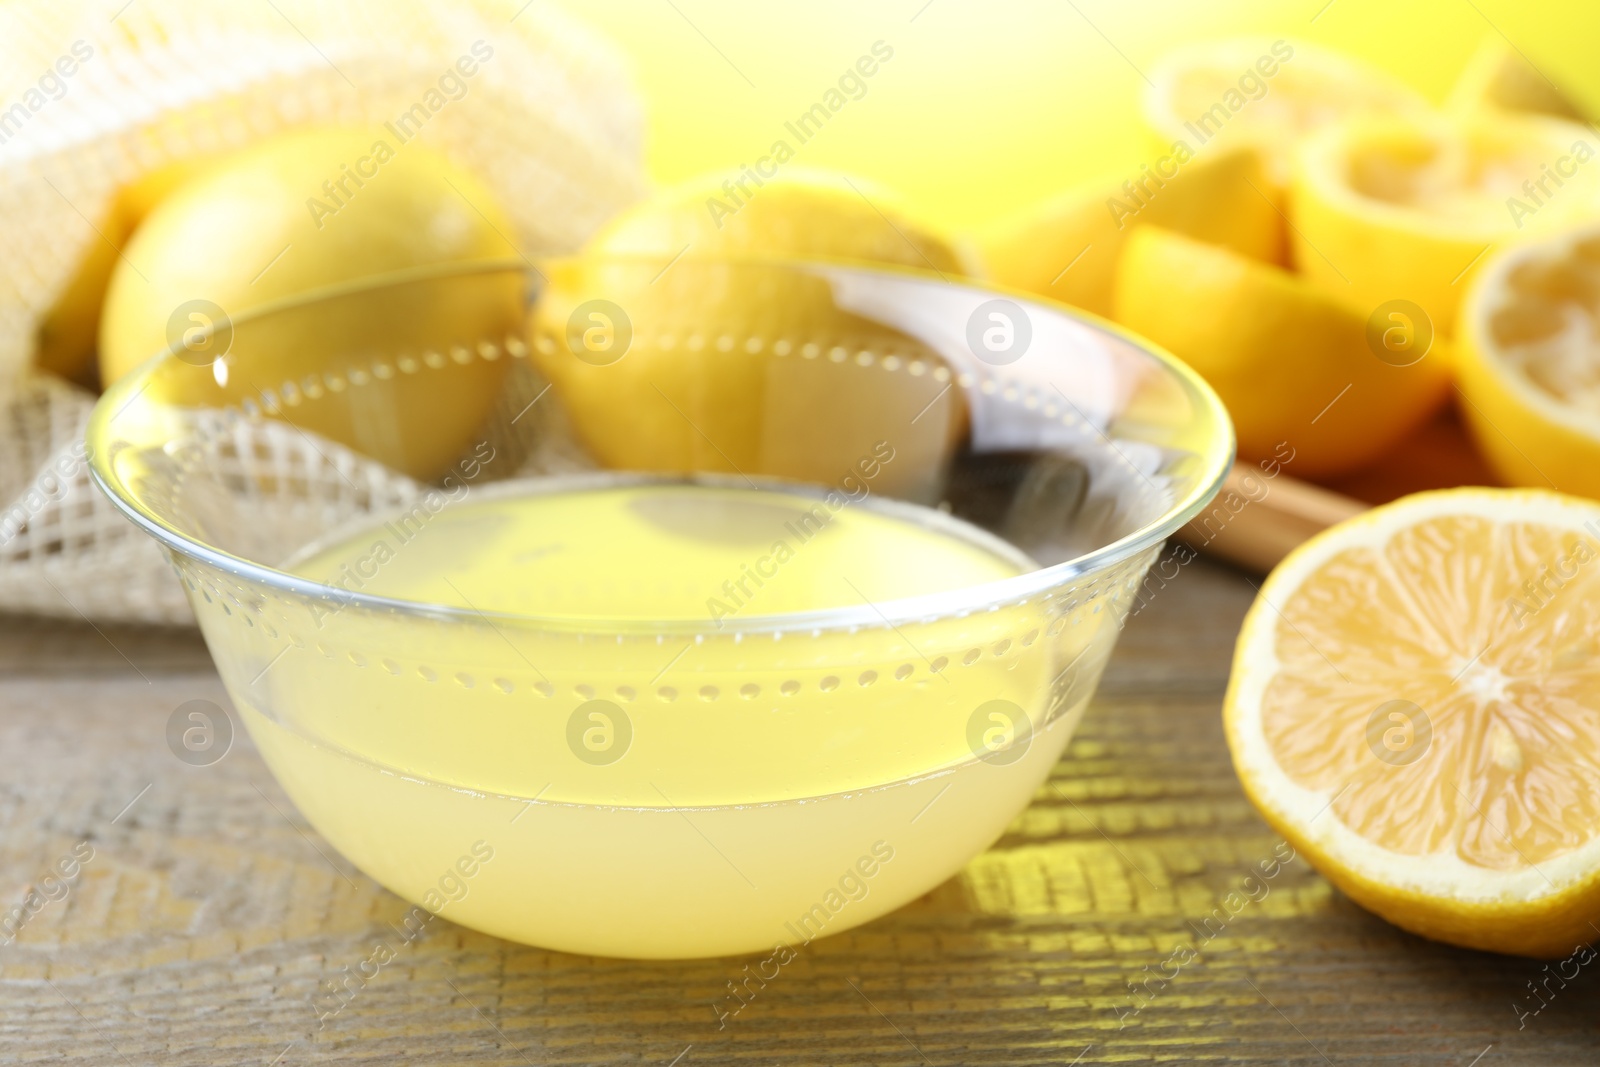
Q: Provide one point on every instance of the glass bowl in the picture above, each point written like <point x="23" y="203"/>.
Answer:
<point x="660" y="609"/>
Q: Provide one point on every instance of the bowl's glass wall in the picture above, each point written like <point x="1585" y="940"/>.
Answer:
<point x="763" y="758"/>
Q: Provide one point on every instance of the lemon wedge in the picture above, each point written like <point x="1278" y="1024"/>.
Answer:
<point x="1294" y="366"/>
<point x="1067" y="248"/>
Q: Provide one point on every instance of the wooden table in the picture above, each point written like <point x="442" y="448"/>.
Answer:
<point x="210" y="912"/>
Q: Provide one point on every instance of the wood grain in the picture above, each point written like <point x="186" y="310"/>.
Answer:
<point x="1255" y="522"/>
<point x="210" y="913"/>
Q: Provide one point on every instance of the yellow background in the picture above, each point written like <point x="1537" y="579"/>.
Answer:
<point x="989" y="105"/>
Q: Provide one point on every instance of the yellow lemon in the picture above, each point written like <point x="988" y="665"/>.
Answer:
<point x="1530" y="362"/>
<point x="1393" y="209"/>
<point x="67" y="332"/>
<point x="673" y="348"/>
<point x="64" y="339"/>
<point x="1264" y="94"/>
<point x="798" y="213"/>
<point x="304" y="212"/>
<point x="1501" y="77"/>
<point x="1067" y="248"/>
<point x="1412" y="706"/>
<point x="1294" y="366"/>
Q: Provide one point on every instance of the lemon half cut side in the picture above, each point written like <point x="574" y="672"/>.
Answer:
<point x="1415" y="705"/>
<point x="1267" y="94"/>
<point x="1530" y="362"/>
<point x="1397" y="209"/>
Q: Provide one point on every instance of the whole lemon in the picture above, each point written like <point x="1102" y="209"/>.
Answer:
<point x="802" y="213"/>
<point x="64" y="342"/>
<point x="300" y="213"/>
<point x="732" y="364"/>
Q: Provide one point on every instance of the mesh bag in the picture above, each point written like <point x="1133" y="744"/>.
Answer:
<point x="548" y="122"/>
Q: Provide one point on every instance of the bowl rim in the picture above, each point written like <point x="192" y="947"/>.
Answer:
<point x="963" y="600"/>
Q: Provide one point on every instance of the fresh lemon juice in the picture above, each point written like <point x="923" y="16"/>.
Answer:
<point x="642" y="706"/>
<point x="655" y="552"/>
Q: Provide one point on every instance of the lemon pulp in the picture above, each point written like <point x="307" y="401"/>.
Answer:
<point x="1530" y="362"/>
<point x="735" y="774"/>
<point x="1413" y="706"/>
<point x="1546" y="321"/>
<point x="1447" y="181"/>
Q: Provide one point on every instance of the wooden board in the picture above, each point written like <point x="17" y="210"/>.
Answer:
<point x="210" y="913"/>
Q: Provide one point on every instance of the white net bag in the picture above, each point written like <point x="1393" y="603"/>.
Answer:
<point x="93" y="97"/>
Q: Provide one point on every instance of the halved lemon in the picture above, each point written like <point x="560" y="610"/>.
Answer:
<point x="1067" y="247"/>
<point x="1295" y="367"/>
<point x="1501" y="77"/>
<point x="1530" y="362"/>
<point x="1392" y="209"/>
<point x="1415" y="706"/>
<point x="1264" y="94"/>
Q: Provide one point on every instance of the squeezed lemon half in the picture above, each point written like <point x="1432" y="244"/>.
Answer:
<point x="1530" y="362"/>
<point x="1389" y="209"/>
<point x="1265" y="94"/>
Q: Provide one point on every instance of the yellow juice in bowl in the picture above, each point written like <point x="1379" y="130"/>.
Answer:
<point x="638" y="745"/>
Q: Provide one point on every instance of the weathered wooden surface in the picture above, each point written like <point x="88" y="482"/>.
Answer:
<point x="210" y="914"/>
